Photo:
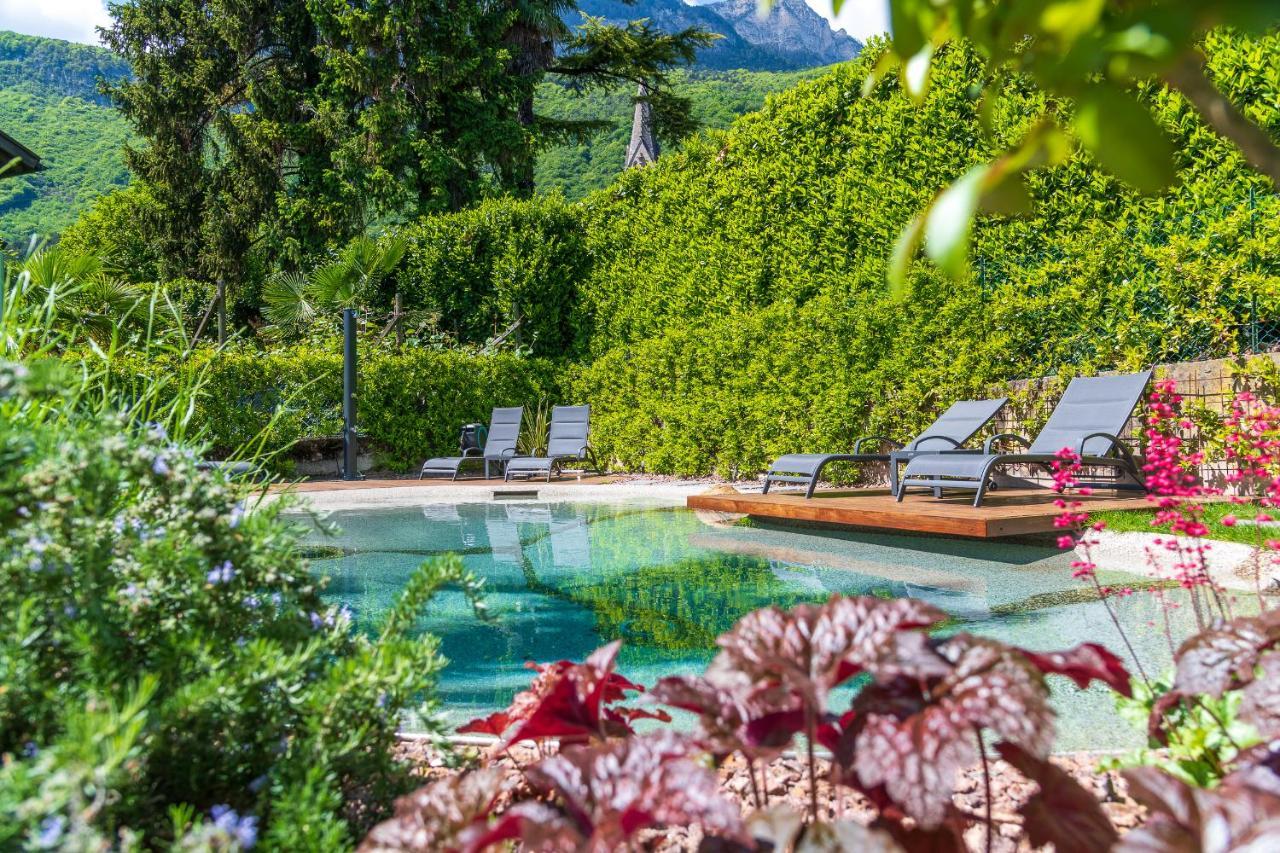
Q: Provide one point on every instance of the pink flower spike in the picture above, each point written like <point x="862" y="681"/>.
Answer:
<point x="1228" y="521"/>
<point x="1066" y="542"/>
<point x="1084" y="490"/>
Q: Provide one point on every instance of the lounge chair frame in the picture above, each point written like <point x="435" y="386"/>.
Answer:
<point x="567" y="441"/>
<point x="499" y="447"/>
<point x="1096" y="449"/>
<point x="963" y="419"/>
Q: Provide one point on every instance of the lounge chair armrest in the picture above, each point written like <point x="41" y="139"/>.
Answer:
<point x="1116" y="444"/>
<point x="472" y="451"/>
<point x="857" y="445"/>
<point x="915" y="445"/>
<point x="1012" y="436"/>
<point x="508" y="453"/>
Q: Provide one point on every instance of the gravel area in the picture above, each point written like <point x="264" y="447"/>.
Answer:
<point x="786" y="781"/>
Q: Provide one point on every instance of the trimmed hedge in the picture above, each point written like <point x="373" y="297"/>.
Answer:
<point x="411" y="404"/>
<point x="483" y="268"/>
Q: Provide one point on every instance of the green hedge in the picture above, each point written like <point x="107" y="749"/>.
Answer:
<point x="483" y="268"/>
<point x="737" y="287"/>
<point x="411" y="404"/>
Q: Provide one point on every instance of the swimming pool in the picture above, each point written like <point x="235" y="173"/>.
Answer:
<point x="565" y="578"/>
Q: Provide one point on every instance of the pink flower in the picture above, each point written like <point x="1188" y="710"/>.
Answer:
<point x="1228" y="521"/>
<point x="1066" y="542"/>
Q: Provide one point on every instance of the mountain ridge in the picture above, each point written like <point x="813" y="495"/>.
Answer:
<point x="791" y="37"/>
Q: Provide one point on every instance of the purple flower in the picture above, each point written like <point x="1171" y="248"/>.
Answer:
<point x="256" y="785"/>
<point x="221" y="574"/>
<point x="251" y="602"/>
<point x="318" y="621"/>
<point x="51" y="829"/>
<point x="23" y="512"/>
<point x="130" y="590"/>
<point x="243" y="829"/>
<point x="237" y="513"/>
<point x="160" y="467"/>
<point x="30" y="750"/>
<point x="157" y="432"/>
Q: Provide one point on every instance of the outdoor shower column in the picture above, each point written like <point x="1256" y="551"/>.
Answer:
<point x="350" y="440"/>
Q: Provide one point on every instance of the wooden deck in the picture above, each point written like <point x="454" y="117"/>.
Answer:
<point x="1014" y="512"/>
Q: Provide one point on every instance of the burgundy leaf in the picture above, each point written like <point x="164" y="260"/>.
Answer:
<point x="1258" y="767"/>
<point x="1083" y="664"/>
<point x="566" y="700"/>
<point x="1062" y="812"/>
<point x="1223" y="657"/>
<point x="732" y="713"/>
<point x="613" y="790"/>
<point x="448" y="815"/>
<point x="1261" y="705"/>
<point x="1180" y="818"/>
<point x="494" y="724"/>
<point x="813" y="648"/>
<point x="917" y="755"/>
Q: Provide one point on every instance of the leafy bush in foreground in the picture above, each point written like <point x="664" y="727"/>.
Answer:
<point x="168" y="670"/>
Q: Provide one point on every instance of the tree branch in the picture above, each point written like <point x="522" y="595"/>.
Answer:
<point x="1188" y="77"/>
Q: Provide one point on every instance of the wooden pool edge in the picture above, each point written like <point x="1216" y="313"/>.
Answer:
<point x="1020" y="512"/>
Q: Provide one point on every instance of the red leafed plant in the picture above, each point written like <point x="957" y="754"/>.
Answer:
<point x="572" y="702"/>
<point x="926" y="711"/>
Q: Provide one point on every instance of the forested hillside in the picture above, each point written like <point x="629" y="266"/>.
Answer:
<point x="49" y="102"/>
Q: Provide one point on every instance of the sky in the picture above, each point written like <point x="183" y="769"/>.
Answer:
<point x="75" y="20"/>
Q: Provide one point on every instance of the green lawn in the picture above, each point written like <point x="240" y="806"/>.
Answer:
<point x="1126" y="520"/>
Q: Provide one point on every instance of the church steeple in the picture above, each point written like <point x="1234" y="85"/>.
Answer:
<point x="643" y="149"/>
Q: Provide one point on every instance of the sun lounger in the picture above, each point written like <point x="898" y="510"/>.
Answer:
<point x="566" y="442"/>
<point x="499" y="447"/>
<point x="1088" y="420"/>
<point x="951" y="430"/>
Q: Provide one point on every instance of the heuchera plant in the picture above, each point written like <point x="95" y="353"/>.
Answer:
<point x="928" y="704"/>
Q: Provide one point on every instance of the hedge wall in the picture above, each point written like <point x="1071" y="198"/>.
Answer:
<point x="411" y="404"/>
<point x="483" y="268"/>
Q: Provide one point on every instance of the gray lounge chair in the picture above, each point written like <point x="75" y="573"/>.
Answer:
<point x="1088" y="419"/>
<point x="566" y="442"/>
<point x="499" y="447"/>
<point x="952" y="429"/>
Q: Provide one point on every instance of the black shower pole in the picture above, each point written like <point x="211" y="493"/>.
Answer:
<point x="350" y="440"/>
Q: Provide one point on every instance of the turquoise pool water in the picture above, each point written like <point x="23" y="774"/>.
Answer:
<point x="564" y="578"/>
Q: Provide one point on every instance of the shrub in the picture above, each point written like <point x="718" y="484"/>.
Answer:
<point x="168" y="670"/>
<point x="411" y="403"/>
<point x="502" y="261"/>
<point x="926" y="711"/>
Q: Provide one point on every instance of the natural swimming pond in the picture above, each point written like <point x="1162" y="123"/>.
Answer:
<point x="564" y="578"/>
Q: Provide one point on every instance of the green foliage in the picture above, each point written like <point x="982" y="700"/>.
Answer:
<point x="79" y="143"/>
<point x="1204" y="734"/>
<point x="716" y="99"/>
<point x="108" y="228"/>
<point x="736" y="290"/>
<point x="483" y="269"/>
<point x="411" y="403"/>
<point x="169" y="673"/>
<point x="350" y="280"/>
<point x="1090" y="51"/>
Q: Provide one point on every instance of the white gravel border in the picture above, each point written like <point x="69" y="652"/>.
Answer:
<point x="657" y="493"/>
<point x="1232" y="565"/>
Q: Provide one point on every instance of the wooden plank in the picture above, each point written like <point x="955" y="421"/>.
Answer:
<point x="1008" y="513"/>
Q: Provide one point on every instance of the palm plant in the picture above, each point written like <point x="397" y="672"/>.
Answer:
<point x="294" y="300"/>
<point x="79" y="295"/>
